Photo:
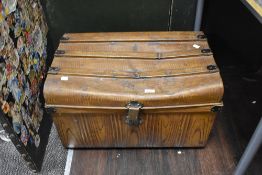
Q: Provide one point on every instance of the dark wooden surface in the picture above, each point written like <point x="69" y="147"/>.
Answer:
<point x="232" y="131"/>
<point x="217" y="157"/>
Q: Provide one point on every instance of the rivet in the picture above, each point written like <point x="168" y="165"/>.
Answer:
<point x="5" y="125"/>
<point x="205" y="50"/>
<point x="12" y="136"/>
<point x="26" y="157"/>
<point x="136" y="76"/>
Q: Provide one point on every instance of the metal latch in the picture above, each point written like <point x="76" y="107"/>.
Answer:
<point x="132" y="117"/>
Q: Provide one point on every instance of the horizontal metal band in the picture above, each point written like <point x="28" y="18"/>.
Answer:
<point x="144" y="107"/>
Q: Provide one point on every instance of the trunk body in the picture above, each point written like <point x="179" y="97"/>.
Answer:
<point x="140" y="89"/>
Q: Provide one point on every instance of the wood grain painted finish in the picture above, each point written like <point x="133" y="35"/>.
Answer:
<point x="131" y="36"/>
<point x="173" y="75"/>
<point x="121" y="46"/>
<point x="157" y="130"/>
<point x="124" y="68"/>
<point x="116" y="92"/>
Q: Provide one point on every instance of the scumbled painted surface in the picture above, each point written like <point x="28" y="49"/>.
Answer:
<point x="23" y="55"/>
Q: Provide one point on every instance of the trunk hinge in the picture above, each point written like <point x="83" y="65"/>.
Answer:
<point x="59" y="52"/>
<point x="64" y="38"/>
<point x="212" y="67"/>
<point x="53" y="70"/>
<point x="206" y="52"/>
<point x="216" y="108"/>
<point x="201" y="37"/>
<point x="50" y="110"/>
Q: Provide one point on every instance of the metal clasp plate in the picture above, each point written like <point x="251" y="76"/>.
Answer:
<point x="132" y="117"/>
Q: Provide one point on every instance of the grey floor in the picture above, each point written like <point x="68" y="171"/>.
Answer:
<point x="54" y="161"/>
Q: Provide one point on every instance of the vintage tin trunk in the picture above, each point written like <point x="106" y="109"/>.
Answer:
<point x="140" y="89"/>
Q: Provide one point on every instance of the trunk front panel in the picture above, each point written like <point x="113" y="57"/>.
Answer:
<point x="156" y="130"/>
